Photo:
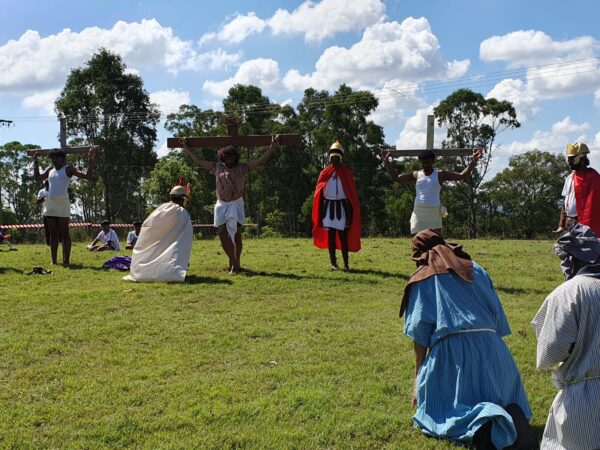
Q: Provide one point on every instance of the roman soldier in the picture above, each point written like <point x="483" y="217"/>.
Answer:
<point x="336" y="212"/>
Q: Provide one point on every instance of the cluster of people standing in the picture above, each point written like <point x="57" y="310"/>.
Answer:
<point x="467" y="385"/>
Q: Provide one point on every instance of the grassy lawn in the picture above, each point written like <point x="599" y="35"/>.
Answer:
<point x="288" y="355"/>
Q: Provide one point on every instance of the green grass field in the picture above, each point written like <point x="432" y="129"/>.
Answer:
<point x="288" y="355"/>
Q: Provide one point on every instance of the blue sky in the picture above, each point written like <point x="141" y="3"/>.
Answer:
<point x="541" y="55"/>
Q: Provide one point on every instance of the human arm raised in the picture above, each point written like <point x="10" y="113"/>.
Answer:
<point x="459" y="176"/>
<point x="71" y="170"/>
<point x="400" y="178"/>
<point x="252" y="165"/>
<point x="36" y="169"/>
<point x="205" y="165"/>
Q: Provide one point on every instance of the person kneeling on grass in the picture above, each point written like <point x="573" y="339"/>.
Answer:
<point x="467" y="385"/>
<point x="569" y="342"/>
<point x="162" y="251"/>
<point x="107" y="239"/>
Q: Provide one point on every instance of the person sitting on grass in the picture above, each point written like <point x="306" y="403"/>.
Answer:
<point x="467" y="385"/>
<point x="132" y="236"/>
<point x="4" y="239"/>
<point x="107" y="239"/>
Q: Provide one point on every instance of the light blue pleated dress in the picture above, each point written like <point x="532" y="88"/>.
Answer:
<point x="469" y="375"/>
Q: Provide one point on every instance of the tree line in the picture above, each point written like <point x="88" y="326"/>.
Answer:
<point x="107" y="106"/>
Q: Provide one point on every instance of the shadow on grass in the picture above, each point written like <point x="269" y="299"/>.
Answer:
<point x="380" y="273"/>
<point x="4" y="270"/>
<point x="195" y="279"/>
<point x="82" y="267"/>
<point x="262" y="273"/>
<point x="539" y="431"/>
<point x="516" y="290"/>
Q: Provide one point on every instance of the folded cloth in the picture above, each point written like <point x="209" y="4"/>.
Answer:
<point x="118" y="263"/>
<point x="231" y="214"/>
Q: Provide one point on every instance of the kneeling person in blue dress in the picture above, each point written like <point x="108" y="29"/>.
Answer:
<point x="467" y="386"/>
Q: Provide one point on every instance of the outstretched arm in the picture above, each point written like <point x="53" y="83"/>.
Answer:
<point x="400" y="178"/>
<point x="90" y="170"/>
<point x="36" y="169"/>
<point x="252" y="165"/>
<point x="205" y="165"/>
<point x="459" y="176"/>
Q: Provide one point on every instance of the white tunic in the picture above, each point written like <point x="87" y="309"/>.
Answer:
<point x="334" y="190"/>
<point x="569" y="336"/>
<point x="568" y="193"/>
<point x="428" y="188"/>
<point x="57" y="201"/>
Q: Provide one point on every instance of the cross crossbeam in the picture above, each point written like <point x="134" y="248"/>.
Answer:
<point x="232" y="138"/>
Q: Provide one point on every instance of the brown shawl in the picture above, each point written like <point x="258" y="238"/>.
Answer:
<point x="434" y="256"/>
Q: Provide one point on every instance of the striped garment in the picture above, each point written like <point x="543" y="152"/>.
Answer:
<point x="469" y="375"/>
<point x="568" y="330"/>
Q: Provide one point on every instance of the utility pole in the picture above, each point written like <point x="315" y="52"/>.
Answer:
<point x="3" y="123"/>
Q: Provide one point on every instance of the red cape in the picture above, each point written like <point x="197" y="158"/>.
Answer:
<point x="320" y="236"/>
<point x="587" y="198"/>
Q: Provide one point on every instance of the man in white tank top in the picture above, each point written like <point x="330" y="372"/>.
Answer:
<point x="428" y="210"/>
<point x="57" y="207"/>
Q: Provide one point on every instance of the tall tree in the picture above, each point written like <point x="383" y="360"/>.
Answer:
<point x="106" y="106"/>
<point x="473" y="121"/>
<point x="526" y="194"/>
<point x="17" y="185"/>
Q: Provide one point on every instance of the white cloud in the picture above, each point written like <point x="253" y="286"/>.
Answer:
<point x="260" y="72"/>
<point x="169" y="101"/>
<point x="237" y="30"/>
<point x="404" y="51"/>
<point x="530" y="47"/>
<point x="215" y="60"/>
<point x="567" y="126"/>
<point x="32" y="62"/>
<point x="318" y="21"/>
<point x="394" y="99"/>
<point x="517" y="92"/>
<point x="597" y="97"/>
<point x="554" y="140"/>
<point x="42" y="101"/>
<point x="414" y="134"/>
<point x="162" y="149"/>
<point x="565" y="68"/>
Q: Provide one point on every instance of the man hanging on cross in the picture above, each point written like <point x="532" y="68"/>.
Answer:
<point x="428" y="211"/>
<point x="229" y="209"/>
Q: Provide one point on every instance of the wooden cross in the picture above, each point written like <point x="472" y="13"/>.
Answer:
<point x="429" y="145"/>
<point x="63" y="143"/>
<point x="232" y="138"/>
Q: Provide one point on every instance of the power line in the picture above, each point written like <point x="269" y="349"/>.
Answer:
<point x="548" y="71"/>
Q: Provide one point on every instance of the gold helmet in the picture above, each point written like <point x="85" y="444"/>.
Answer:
<point x="336" y="149"/>
<point x="182" y="191"/>
<point x="577" y="149"/>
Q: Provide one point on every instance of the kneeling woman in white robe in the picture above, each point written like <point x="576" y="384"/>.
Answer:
<point x="164" y="245"/>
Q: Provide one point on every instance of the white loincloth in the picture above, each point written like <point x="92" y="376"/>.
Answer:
<point x="57" y="207"/>
<point x="425" y="217"/>
<point x="164" y="246"/>
<point x="230" y="214"/>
